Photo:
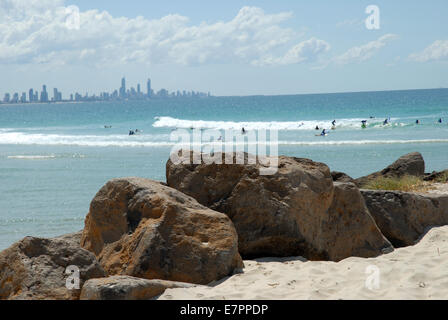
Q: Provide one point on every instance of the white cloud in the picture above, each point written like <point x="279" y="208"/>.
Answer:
<point x="35" y="31"/>
<point x="305" y="51"/>
<point x="364" y="52"/>
<point x="435" y="52"/>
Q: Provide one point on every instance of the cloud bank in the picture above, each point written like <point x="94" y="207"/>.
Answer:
<point x="365" y="52"/>
<point x="35" y="31"/>
<point x="437" y="51"/>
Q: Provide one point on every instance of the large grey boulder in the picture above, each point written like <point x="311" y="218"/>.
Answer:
<point x="289" y="213"/>
<point x="437" y="176"/>
<point x="411" y="164"/>
<point x="341" y="177"/>
<point x="35" y="269"/>
<point x="142" y="228"/>
<point x="348" y="229"/>
<point x="73" y="238"/>
<point x="127" y="288"/>
<point x="404" y="217"/>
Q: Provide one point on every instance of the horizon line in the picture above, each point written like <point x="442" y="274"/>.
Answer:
<point x="323" y="93"/>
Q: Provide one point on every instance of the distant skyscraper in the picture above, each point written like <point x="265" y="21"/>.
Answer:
<point x="23" y="97"/>
<point x="148" y="88"/>
<point x="15" y="98"/>
<point x="57" y="96"/>
<point x="31" y="95"/>
<point x="44" y="94"/>
<point x="7" y="98"/>
<point x="138" y="89"/>
<point x="123" y="88"/>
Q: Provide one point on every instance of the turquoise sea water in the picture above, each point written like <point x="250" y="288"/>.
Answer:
<point x="55" y="157"/>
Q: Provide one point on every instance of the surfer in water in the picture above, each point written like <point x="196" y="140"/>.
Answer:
<point x="364" y="124"/>
<point x="324" y="133"/>
<point x="417" y="121"/>
<point x="440" y="120"/>
<point x="131" y="132"/>
<point x="317" y="128"/>
<point x="243" y="131"/>
<point x="333" y="125"/>
<point x="386" y="122"/>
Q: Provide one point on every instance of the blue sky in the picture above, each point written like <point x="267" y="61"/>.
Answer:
<point x="226" y="47"/>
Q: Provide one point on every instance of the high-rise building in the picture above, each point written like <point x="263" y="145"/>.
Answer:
<point x="148" y="88"/>
<point x="57" y="96"/>
<point x="23" y="97"/>
<point x="138" y="89"/>
<point x="6" y="98"/>
<point x="31" y="95"/>
<point x="15" y="98"/>
<point x="123" y="88"/>
<point x="44" y="94"/>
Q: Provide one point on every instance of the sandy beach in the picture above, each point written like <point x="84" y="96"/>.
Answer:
<point x="418" y="272"/>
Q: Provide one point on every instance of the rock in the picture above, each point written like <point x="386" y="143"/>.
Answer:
<point x="142" y="228"/>
<point x="404" y="217"/>
<point x="127" y="288"/>
<point x="341" y="177"/>
<point x="35" y="269"/>
<point x="441" y="176"/>
<point x="281" y="214"/>
<point x="348" y="229"/>
<point x="73" y="238"/>
<point x="411" y="164"/>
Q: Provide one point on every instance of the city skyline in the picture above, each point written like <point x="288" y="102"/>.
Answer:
<point x="230" y="48"/>
<point x="123" y="93"/>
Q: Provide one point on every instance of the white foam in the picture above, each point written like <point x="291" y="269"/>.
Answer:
<point x="168" y="122"/>
<point x="32" y="157"/>
<point x="20" y="138"/>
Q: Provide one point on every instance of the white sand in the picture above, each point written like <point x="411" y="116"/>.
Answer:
<point x="438" y="188"/>
<point x="418" y="272"/>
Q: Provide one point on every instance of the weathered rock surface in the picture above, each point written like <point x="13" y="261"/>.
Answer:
<point x="411" y="164"/>
<point x="341" y="177"/>
<point x="127" y="288"/>
<point x="348" y="229"/>
<point x="404" y="217"/>
<point x="35" y="269"/>
<point x="142" y="228"/>
<point x="284" y="214"/>
<point x="437" y="176"/>
<point x="73" y="238"/>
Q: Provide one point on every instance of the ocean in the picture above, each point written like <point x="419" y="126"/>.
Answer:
<point x="55" y="157"/>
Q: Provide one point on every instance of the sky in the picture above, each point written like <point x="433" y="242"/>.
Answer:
<point x="228" y="47"/>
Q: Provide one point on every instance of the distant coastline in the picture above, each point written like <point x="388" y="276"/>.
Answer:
<point x="121" y="94"/>
<point x="204" y="96"/>
<point x="94" y="101"/>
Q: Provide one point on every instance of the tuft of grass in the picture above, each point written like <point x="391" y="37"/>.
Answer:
<point x="406" y="184"/>
<point x="443" y="178"/>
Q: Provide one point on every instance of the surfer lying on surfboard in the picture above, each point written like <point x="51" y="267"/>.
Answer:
<point x="323" y="133"/>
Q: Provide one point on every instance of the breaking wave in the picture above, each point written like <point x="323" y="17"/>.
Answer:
<point x="354" y="123"/>
<point x="20" y="138"/>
